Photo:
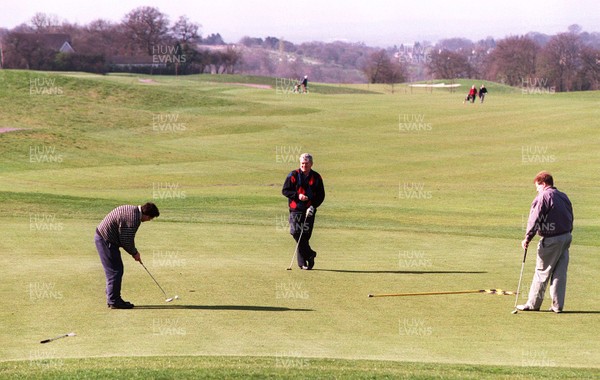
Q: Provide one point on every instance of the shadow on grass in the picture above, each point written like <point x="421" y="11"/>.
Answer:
<point x="580" y="312"/>
<point x="219" y="307"/>
<point x="402" y="271"/>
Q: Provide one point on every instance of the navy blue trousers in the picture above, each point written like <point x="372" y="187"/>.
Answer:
<point x="110" y="256"/>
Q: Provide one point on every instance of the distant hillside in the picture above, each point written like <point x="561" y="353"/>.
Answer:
<point x="336" y="62"/>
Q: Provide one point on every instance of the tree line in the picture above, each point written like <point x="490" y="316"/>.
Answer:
<point x="146" y="41"/>
<point x="567" y="61"/>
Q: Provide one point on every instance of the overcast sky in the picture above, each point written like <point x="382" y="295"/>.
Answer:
<point x="374" y="22"/>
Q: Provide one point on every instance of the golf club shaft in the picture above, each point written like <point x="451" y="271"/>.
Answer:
<point x="58" y="337"/>
<point x="297" y="245"/>
<point x="520" y="278"/>
<point x="160" y="287"/>
<point x="55" y="338"/>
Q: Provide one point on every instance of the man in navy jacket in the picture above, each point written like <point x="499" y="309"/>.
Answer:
<point x="304" y="189"/>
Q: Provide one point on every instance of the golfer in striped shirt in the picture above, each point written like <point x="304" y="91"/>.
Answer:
<point x="117" y="230"/>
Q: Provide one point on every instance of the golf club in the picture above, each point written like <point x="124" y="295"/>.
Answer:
<point x="296" y="250"/>
<point x="58" y="337"/>
<point x="160" y="287"/>
<point x="515" y="311"/>
<point x="298" y="243"/>
<point x="499" y="292"/>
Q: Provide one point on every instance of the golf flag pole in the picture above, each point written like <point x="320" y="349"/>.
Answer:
<point x="488" y="291"/>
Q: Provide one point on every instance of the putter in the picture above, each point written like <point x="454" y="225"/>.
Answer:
<point x="58" y="337"/>
<point x="515" y="311"/>
<point x="160" y="287"/>
<point x="298" y="243"/>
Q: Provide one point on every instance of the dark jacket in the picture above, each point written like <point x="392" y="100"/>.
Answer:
<point x="311" y="186"/>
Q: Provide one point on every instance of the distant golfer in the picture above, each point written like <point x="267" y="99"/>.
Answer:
<point x="482" y="92"/>
<point x="117" y="230"/>
<point x="551" y="217"/>
<point x="304" y="189"/>
<point x="304" y="84"/>
<point x="471" y="95"/>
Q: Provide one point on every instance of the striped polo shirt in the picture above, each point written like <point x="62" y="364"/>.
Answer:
<point x="120" y="225"/>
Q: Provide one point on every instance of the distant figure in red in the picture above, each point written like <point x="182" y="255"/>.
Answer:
<point x="471" y="95"/>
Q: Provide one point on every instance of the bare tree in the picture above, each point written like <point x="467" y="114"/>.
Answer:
<point x="513" y="60"/>
<point x="560" y="61"/>
<point x="185" y="31"/>
<point x="376" y="67"/>
<point x="381" y="69"/>
<point x="44" y="23"/>
<point x="147" y="27"/>
<point x="446" y="64"/>
<point x="589" y="75"/>
<point x="231" y="58"/>
<point x="28" y="51"/>
<point x="103" y="37"/>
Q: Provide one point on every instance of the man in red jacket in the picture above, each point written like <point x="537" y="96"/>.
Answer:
<point x="304" y="189"/>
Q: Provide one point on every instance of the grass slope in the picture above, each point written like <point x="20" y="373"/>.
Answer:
<point x="423" y="194"/>
<point x="270" y="368"/>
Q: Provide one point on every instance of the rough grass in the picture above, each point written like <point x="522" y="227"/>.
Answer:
<point x="268" y="368"/>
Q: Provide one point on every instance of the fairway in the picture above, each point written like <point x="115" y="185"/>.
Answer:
<point x="424" y="194"/>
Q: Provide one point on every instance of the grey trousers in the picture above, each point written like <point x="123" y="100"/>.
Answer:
<point x="551" y="264"/>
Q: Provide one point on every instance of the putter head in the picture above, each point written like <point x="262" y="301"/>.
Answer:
<point x="169" y="299"/>
<point x="515" y="311"/>
<point x="290" y="268"/>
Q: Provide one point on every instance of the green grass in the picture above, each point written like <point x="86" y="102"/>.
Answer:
<point x="407" y="210"/>
<point x="284" y="367"/>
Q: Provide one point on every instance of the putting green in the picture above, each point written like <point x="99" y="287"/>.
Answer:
<point x="424" y="194"/>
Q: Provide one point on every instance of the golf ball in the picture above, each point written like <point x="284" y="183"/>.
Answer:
<point x="176" y="297"/>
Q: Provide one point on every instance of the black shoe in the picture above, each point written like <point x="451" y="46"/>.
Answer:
<point x="125" y="302"/>
<point x="121" y="305"/>
<point x="310" y="263"/>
